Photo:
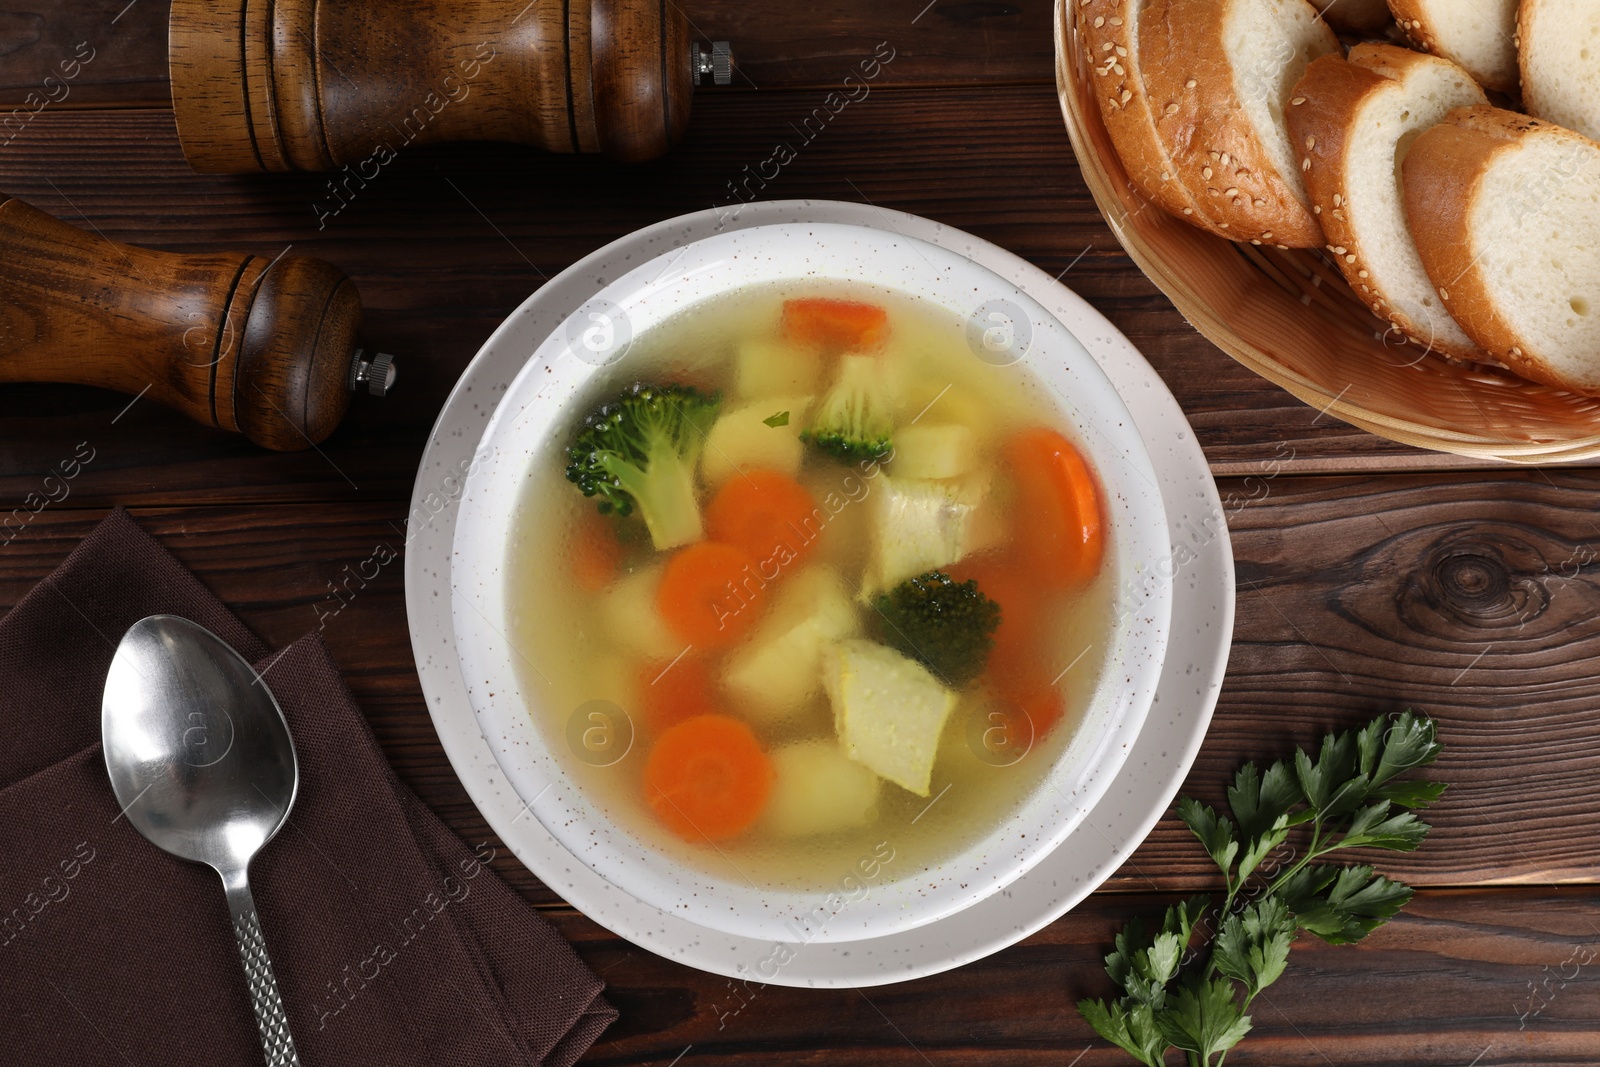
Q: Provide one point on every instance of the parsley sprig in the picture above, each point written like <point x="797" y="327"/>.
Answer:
<point x="1348" y="796"/>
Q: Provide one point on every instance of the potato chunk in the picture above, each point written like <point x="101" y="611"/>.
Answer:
<point x="774" y="677"/>
<point x="819" y="790"/>
<point x="741" y="440"/>
<point x="629" y="614"/>
<point x="765" y="368"/>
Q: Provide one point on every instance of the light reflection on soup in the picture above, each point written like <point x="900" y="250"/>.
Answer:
<point x="799" y="648"/>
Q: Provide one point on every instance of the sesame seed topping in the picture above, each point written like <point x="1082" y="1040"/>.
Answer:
<point x="1190" y="84"/>
<point x="1206" y="173"/>
<point x="1297" y="101"/>
<point x="1305" y="164"/>
<point x="1101" y="21"/>
<point x="1172" y="109"/>
<point x="1362" y="274"/>
<point x="1311" y="142"/>
<point x="1350" y="259"/>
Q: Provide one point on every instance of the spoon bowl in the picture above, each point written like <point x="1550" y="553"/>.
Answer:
<point x="202" y="765"/>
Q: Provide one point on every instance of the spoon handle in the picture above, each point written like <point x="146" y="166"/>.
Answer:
<point x="274" y="1025"/>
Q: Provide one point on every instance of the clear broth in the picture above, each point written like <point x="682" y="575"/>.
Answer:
<point x="569" y="661"/>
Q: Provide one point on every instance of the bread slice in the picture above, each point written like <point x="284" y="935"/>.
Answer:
<point x="1366" y="16"/>
<point x="1505" y="210"/>
<point x="1476" y="34"/>
<point x="1218" y="74"/>
<point x="1355" y="120"/>
<point x="1558" y="51"/>
<point x="1108" y="32"/>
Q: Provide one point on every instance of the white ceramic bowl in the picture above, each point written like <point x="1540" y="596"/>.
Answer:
<point x="529" y="425"/>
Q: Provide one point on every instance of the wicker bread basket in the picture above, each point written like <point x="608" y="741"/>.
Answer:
<point x="1290" y="317"/>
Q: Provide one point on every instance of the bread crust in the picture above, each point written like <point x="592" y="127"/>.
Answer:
<point x="1367" y="16"/>
<point x="1111" y="55"/>
<point x="1414" y="21"/>
<point x="1442" y="174"/>
<point x="1532" y="100"/>
<point x="1189" y="80"/>
<point x="1320" y="116"/>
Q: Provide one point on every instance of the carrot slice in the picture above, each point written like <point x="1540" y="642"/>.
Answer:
<point x="707" y="778"/>
<point x="835" y="324"/>
<point x="593" y="551"/>
<point x="1059" y="531"/>
<point x="1008" y="581"/>
<point x="710" y="594"/>
<point x="768" y="514"/>
<point x="673" y="692"/>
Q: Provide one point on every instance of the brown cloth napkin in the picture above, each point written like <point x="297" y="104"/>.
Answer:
<point x="393" y="943"/>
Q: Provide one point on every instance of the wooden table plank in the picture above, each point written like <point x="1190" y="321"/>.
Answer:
<point x="947" y="42"/>
<point x="1457" y="979"/>
<point x="1470" y="597"/>
<point x="992" y="161"/>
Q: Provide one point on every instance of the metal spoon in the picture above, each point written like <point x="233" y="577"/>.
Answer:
<point x="202" y="764"/>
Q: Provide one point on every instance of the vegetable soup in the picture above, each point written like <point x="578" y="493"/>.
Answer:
<point x="810" y="587"/>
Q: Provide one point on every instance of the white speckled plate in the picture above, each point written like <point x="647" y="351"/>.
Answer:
<point x="1199" y="570"/>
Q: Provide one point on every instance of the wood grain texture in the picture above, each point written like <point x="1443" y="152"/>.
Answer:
<point x="948" y="42"/>
<point x="497" y="221"/>
<point x="1471" y="974"/>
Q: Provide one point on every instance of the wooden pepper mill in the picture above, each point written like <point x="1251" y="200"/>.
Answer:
<point x="266" y="348"/>
<point x="316" y="85"/>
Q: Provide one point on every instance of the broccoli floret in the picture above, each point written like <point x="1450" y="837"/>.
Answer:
<point x="855" y="419"/>
<point x="639" y="451"/>
<point x="946" y="625"/>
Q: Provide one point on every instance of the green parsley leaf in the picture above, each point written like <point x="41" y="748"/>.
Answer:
<point x="1253" y="946"/>
<point x="1412" y="742"/>
<point x="1216" y="834"/>
<point x="1259" y="801"/>
<point x="1144" y="962"/>
<point x="1132" y="1029"/>
<point x="780" y="419"/>
<point x="1204" y="1018"/>
<point x="1410" y="794"/>
<point x="1342" y="905"/>
<point x="1369" y="829"/>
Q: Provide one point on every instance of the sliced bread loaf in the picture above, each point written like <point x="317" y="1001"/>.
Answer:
<point x="1366" y="15"/>
<point x="1505" y="211"/>
<point x="1355" y="120"/>
<point x="1218" y="74"/>
<point x="1108" y="33"/>
<point x="1476" y="34"/>
<point x="1558" y="50"/>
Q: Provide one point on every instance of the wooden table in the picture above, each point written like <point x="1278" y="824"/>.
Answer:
<point x="1371" y="576"/>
